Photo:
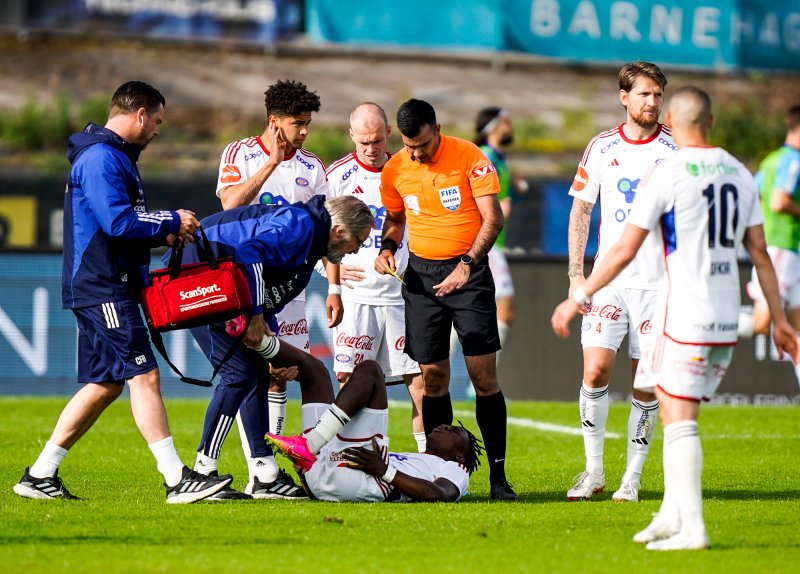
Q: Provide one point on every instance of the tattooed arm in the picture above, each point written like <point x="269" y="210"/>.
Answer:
<point x="577" y="236"/>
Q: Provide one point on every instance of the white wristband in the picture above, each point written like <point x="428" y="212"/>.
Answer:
<point x="580" y="296"/>
<point x="334" y="289"/>
<point x="388" y="477"/>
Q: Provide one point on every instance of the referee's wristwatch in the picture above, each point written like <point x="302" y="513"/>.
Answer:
<point x="467" y="260"/>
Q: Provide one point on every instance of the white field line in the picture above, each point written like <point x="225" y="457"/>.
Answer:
<point x="520" y="422"/>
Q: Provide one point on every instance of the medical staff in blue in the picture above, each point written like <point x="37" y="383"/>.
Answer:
<point x="108" y="232"/>
<point x="279" y="246"/>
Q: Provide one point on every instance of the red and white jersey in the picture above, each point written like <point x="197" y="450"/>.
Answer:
<point x="299" y="177"/>
<point x="702" y="199"/>
<point x="612" y="168"/>
<point x="430" y="467"/>
<point x="349" y="176"/>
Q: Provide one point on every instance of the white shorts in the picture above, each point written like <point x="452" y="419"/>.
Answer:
<point x="372" y="332"/>
<point x="503" y="284"/>
<point x="616" y="312"/>
<point x="787" y="269"/>
<point x="691" y="372"/>
<point x="293" y="326"/>
<point x="331" y="479"/>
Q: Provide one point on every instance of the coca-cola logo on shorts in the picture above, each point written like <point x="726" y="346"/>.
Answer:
<point x="289" y="329"/>
<point x="363" y="342"/>
<point x="400" y="344"/>
<point x="611" y="312"/>
<point x="645" y="328"/>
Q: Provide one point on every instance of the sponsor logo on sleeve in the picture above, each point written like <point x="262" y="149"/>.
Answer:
<point x="581" y="179"/>
<point x="230" y="174"/>
<point x="483" y="170"/>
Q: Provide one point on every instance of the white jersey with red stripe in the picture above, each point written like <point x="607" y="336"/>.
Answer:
<point x="429" y="467"/>
<point x="299" y="177"/>
<point x="703" y="199"/>
<point x="349" y="176"/>
<point x="612" y="168"/>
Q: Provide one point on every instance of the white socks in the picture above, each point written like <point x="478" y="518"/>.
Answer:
<point x="205" y="464"/>
<point x="49" y="460"/>
<point x="422" y="441"/>
<point x="277" y="411"/>
<point x="330" y="423"/>
<point x="594" y="414"/>
<point x="167" y="459"/>
<point x="684" y="463"/>
<point x="264" y="468"/>
<point x="641" y="428"/>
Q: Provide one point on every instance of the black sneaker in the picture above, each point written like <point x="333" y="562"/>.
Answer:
<point x="283" y="487"/>
<point x="42" y="488"/>
<point x="503" y="491"/>
<point x="227" y="493"/>
<point x="195" y="486"/>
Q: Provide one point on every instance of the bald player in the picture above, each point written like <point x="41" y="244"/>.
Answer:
<point x="374" y="323"/>
<point x="704" y="203"/>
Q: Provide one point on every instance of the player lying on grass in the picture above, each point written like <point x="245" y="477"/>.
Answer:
<point x="345" y="456"/>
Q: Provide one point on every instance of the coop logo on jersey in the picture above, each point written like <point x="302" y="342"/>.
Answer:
<point x="230" y="174"/>
<point x="268" y="199"/>
<point x="483" y="170"/>
<point x="349" y="172"/>
<point x="305" y="163"/>
<point x="667" y="143"/>
<point x="581" y="179"/>
<point x="412" y="203"/>
<point x="301" y="181"/>
<point x="610" y="145"/>
<point x="253" y="155"/>
<point x="450" y="197"/>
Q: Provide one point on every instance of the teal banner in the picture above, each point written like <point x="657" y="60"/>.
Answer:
<point x="725" y="34"/>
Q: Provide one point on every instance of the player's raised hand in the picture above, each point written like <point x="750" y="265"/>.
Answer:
<point x="275" y="144"/>
<point x="562" y="315"/>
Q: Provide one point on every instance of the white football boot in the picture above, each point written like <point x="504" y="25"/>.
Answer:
<point x="586" y="484"/>
<point x="628" y="492"/>
<point x="682" y="541"/>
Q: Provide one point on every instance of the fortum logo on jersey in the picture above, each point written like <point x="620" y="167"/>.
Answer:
<point x="201" y="296"/>
<point x="627" y="187"/>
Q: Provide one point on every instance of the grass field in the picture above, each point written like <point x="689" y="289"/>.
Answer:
<point x="751" y="485"/>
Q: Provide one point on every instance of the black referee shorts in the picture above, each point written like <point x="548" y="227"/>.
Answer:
<point x="471" y="309"/>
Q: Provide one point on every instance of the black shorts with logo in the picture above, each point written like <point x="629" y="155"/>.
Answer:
<point x="471" y="309"/>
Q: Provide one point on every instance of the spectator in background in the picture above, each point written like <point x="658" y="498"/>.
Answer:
<point x="445" y="190"/>
<point x="108" y="233"/>
<point x="373" y="327"/>
<point x="612" y="167"/>
<point x="778" y="180"/>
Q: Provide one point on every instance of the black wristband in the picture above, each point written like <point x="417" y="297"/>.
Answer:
<point x="390" y="244"/>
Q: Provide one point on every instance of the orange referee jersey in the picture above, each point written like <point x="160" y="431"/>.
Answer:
<point x="439" y="196"/>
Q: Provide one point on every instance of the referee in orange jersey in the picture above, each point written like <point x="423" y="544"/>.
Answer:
<point x="445" y="189"/>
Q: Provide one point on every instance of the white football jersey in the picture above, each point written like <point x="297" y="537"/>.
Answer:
<point x="702" y="199"/>
<point x="430" y="467"/>
<point x="299" y="177"/>
<point x="612" y="168"/>
<point x="349" y="176"/>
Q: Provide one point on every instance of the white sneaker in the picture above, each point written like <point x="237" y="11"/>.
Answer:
<point x="628" y="492"/>
<point x="658" y="529"/>
<point x="586" y="484"/>
<point x="681" y="541"/>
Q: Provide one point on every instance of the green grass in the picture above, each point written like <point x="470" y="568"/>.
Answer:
<point x="751" y="485"/>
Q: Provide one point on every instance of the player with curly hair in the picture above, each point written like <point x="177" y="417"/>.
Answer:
<point x="272" y="169"/>
<point x="345" y="456"/>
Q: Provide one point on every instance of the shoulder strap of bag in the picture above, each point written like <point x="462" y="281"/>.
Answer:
<point x="158" y="343"/>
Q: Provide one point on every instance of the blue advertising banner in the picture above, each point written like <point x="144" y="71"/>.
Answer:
<point x="254" y="20"/>
<point x="705" y="34"/>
